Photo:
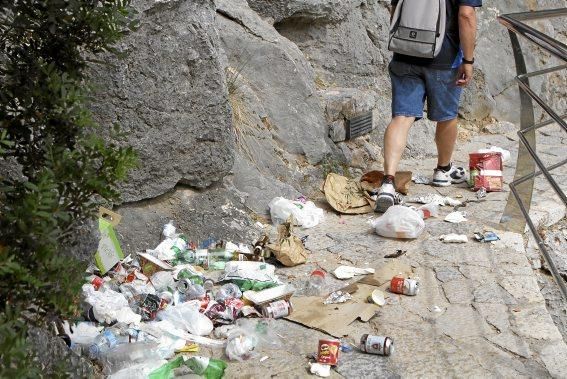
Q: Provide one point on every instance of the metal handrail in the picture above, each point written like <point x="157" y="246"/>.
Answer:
<point x="516" y="214"/>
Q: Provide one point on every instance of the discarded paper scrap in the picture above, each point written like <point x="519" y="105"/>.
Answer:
<point x="333" y="319"/>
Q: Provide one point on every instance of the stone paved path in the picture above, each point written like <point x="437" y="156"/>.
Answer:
<point x="493" y="320"/>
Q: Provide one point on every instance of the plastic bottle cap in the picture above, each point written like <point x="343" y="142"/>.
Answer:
<point x="320" y="273"/>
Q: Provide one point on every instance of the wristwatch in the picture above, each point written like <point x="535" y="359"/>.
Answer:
<point x="466" y="61"/>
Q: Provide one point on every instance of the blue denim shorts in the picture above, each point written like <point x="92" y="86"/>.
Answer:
<point x="413" y="84"/>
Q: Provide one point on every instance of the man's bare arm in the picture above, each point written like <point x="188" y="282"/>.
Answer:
<point x="467" y="32"/>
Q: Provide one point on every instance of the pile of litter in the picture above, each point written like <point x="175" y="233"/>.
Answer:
<point x="149" y="315"/>
<point x="144" y="314"/>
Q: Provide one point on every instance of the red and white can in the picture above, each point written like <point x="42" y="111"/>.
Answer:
<point x="96" y="281"/>
<point x="409" y="287"/>
<point x="328" y="352"/>
<point x="277" y="309"/>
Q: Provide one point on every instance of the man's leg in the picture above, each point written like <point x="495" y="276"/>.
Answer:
<point x="445" y="138"/>
<point x="443" y="96"/>
<point x="395" y="140"/>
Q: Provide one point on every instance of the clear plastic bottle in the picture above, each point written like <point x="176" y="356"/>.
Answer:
<point x="108" y="340"/>
<point x="315" y="284"/>
<point x="228" y="291"/>
<point x="127" y="355"/>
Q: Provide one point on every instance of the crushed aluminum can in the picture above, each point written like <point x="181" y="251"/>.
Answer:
<point x="338" y="297"/>
<point x="420" y="179"/>
<point x="183" y="285"/>
<point x="409" y="287"/>
<point x="377" y="345"/>
<point x="481" y="193"/>
<point x="149" y="307"/>
<point x="490" y="237"/>
<point x="328" y="352"/>
<point x="486" y="237"/>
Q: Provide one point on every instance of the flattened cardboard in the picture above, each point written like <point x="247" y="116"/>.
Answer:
<point x="151" y="264"/>
<point x="333" y="319"/>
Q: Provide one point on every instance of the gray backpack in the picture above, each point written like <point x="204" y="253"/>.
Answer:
<point x="418" y="28"/>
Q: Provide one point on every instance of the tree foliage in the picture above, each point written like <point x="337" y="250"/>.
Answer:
<point x="60" y="168"/>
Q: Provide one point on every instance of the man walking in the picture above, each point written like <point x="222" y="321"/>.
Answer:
<point x="439" y="80"/>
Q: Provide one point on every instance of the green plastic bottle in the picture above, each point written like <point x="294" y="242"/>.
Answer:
<point x="210" y="368"/>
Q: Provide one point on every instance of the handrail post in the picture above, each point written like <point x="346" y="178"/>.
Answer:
<point x="513" y="216"/>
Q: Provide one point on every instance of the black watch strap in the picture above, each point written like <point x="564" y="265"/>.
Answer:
<point x="466" y="61"/>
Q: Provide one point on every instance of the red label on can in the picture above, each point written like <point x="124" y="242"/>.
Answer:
<point x="97" y="282"/>
<point x="328" y="352"/>
<point x="397" y="285"/>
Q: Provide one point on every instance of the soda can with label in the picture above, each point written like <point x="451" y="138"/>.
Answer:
<point x="377" y="345"/>
<point x="409" y="287"/>
<point x="277" y="309"/>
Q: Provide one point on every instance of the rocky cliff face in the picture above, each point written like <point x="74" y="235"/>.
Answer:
<point x="169" y="96"/>
<point x="243" y="93"/>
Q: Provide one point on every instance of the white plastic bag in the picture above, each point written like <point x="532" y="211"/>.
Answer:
<point x="109" y="306"/>
<point x="306" y="214"/>
<point x="428" y="210"/>
<point x="187" y="315"/>
<point x="399" y="222"/>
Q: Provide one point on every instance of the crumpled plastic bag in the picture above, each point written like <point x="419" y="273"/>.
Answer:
<point x="434" y="198"/>
<point x="290" y="250"/>
<point x="399" y="222"/>
<point x="187" y="316"/>
<point x="248" y="335"/>
<point x="305" y="214"/>
<point x="456" y="217"/>
<point x="109" y="306"/>
<point x="249" y="270"/>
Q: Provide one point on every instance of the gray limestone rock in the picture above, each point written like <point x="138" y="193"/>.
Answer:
<point x="53" y="355"/>
<point x="84" y="242"/>
<point x="308" y="10"/>
<point x="170" y="98"/>
<point x="512" y="343"/>
<point x="280" y="76"/>
<point x="343" y="103"/>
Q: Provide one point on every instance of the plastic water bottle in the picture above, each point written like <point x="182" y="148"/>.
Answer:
<point x="228" y="291"/>
<point x="315" y="284"/>
<point x="108" y="340"/>
<point x="104" y="342"/>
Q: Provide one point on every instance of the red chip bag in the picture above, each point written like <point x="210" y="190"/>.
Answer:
<point x="486" y="171"/>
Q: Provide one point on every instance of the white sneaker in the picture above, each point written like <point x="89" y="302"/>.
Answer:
<point x="387" y="196"/>
<point x="455" y="175"/>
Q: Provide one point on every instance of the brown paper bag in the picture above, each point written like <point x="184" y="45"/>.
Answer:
<point x="289" y="250"/>
<point x="345" y="195"/>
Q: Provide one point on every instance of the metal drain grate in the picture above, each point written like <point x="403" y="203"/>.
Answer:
<point x="359" y="125"/>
